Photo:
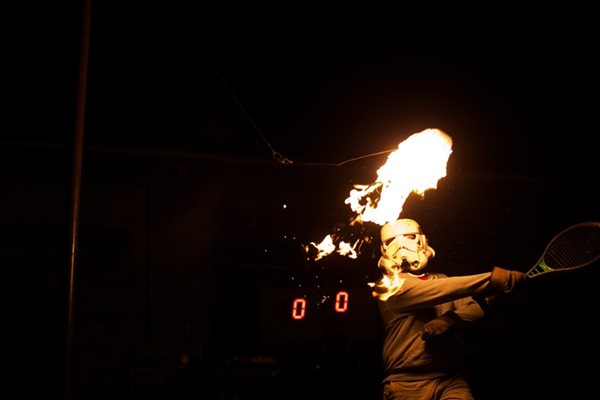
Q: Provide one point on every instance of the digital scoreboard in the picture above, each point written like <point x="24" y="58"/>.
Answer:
<point x="308" y="315"/>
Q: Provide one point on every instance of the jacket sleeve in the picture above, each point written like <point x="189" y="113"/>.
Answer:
<point x="416" y="294"/>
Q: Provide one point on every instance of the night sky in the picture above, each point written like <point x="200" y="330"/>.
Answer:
<point x="220" y="140"/>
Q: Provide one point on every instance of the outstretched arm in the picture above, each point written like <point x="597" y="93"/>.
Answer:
<point x="413" y="294"/>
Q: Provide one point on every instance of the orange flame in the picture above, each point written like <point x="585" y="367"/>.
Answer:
<point x="327" y="247"/>
<point x="324" y="248"/>
<point x="388" y="286"/>
<point x="415" y="166"/>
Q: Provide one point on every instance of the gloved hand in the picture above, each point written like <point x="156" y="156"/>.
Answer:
<point x="441" y="327"/>
<point x="505" y="280"/>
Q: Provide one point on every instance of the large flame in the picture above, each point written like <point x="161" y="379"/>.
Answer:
<point x="416" y="166"/>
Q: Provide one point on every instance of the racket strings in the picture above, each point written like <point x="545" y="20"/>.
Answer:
<point x="576" y="247"/>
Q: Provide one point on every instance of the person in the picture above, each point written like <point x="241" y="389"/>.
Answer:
<point x="424" y="313"/>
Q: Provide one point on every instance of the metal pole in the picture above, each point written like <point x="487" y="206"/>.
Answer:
<point x="76" y="189"/>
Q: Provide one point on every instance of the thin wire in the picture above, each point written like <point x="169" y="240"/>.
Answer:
<point x="347" y="161"/>
<point x="277" y="156"/>
<point x="274" y="153"/>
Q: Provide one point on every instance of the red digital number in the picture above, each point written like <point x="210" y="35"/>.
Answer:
<point x="341" y="302"/>
<point x="298" y="308"/>
<point x="299" y="305"/>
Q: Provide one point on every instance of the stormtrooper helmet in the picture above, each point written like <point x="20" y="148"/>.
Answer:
<point x="404" y="247"/>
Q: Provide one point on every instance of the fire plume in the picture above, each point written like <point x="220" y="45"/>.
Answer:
<point x="415" y="166"/>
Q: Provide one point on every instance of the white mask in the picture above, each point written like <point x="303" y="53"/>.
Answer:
<point x="404" y="246"/>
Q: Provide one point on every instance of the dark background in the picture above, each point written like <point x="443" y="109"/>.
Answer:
<point x="192" y="231"/>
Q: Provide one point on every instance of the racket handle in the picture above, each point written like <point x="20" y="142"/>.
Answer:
<point x="541" y="268"/>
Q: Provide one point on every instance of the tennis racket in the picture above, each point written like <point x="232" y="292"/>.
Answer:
<point x="574" y="247"/>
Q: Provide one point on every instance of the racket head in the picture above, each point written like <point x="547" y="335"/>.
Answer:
<point x="572" y="248"/>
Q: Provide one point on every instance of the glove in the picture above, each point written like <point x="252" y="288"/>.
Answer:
<point x="504" y="280"/>
<point x="439" y="328"/>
